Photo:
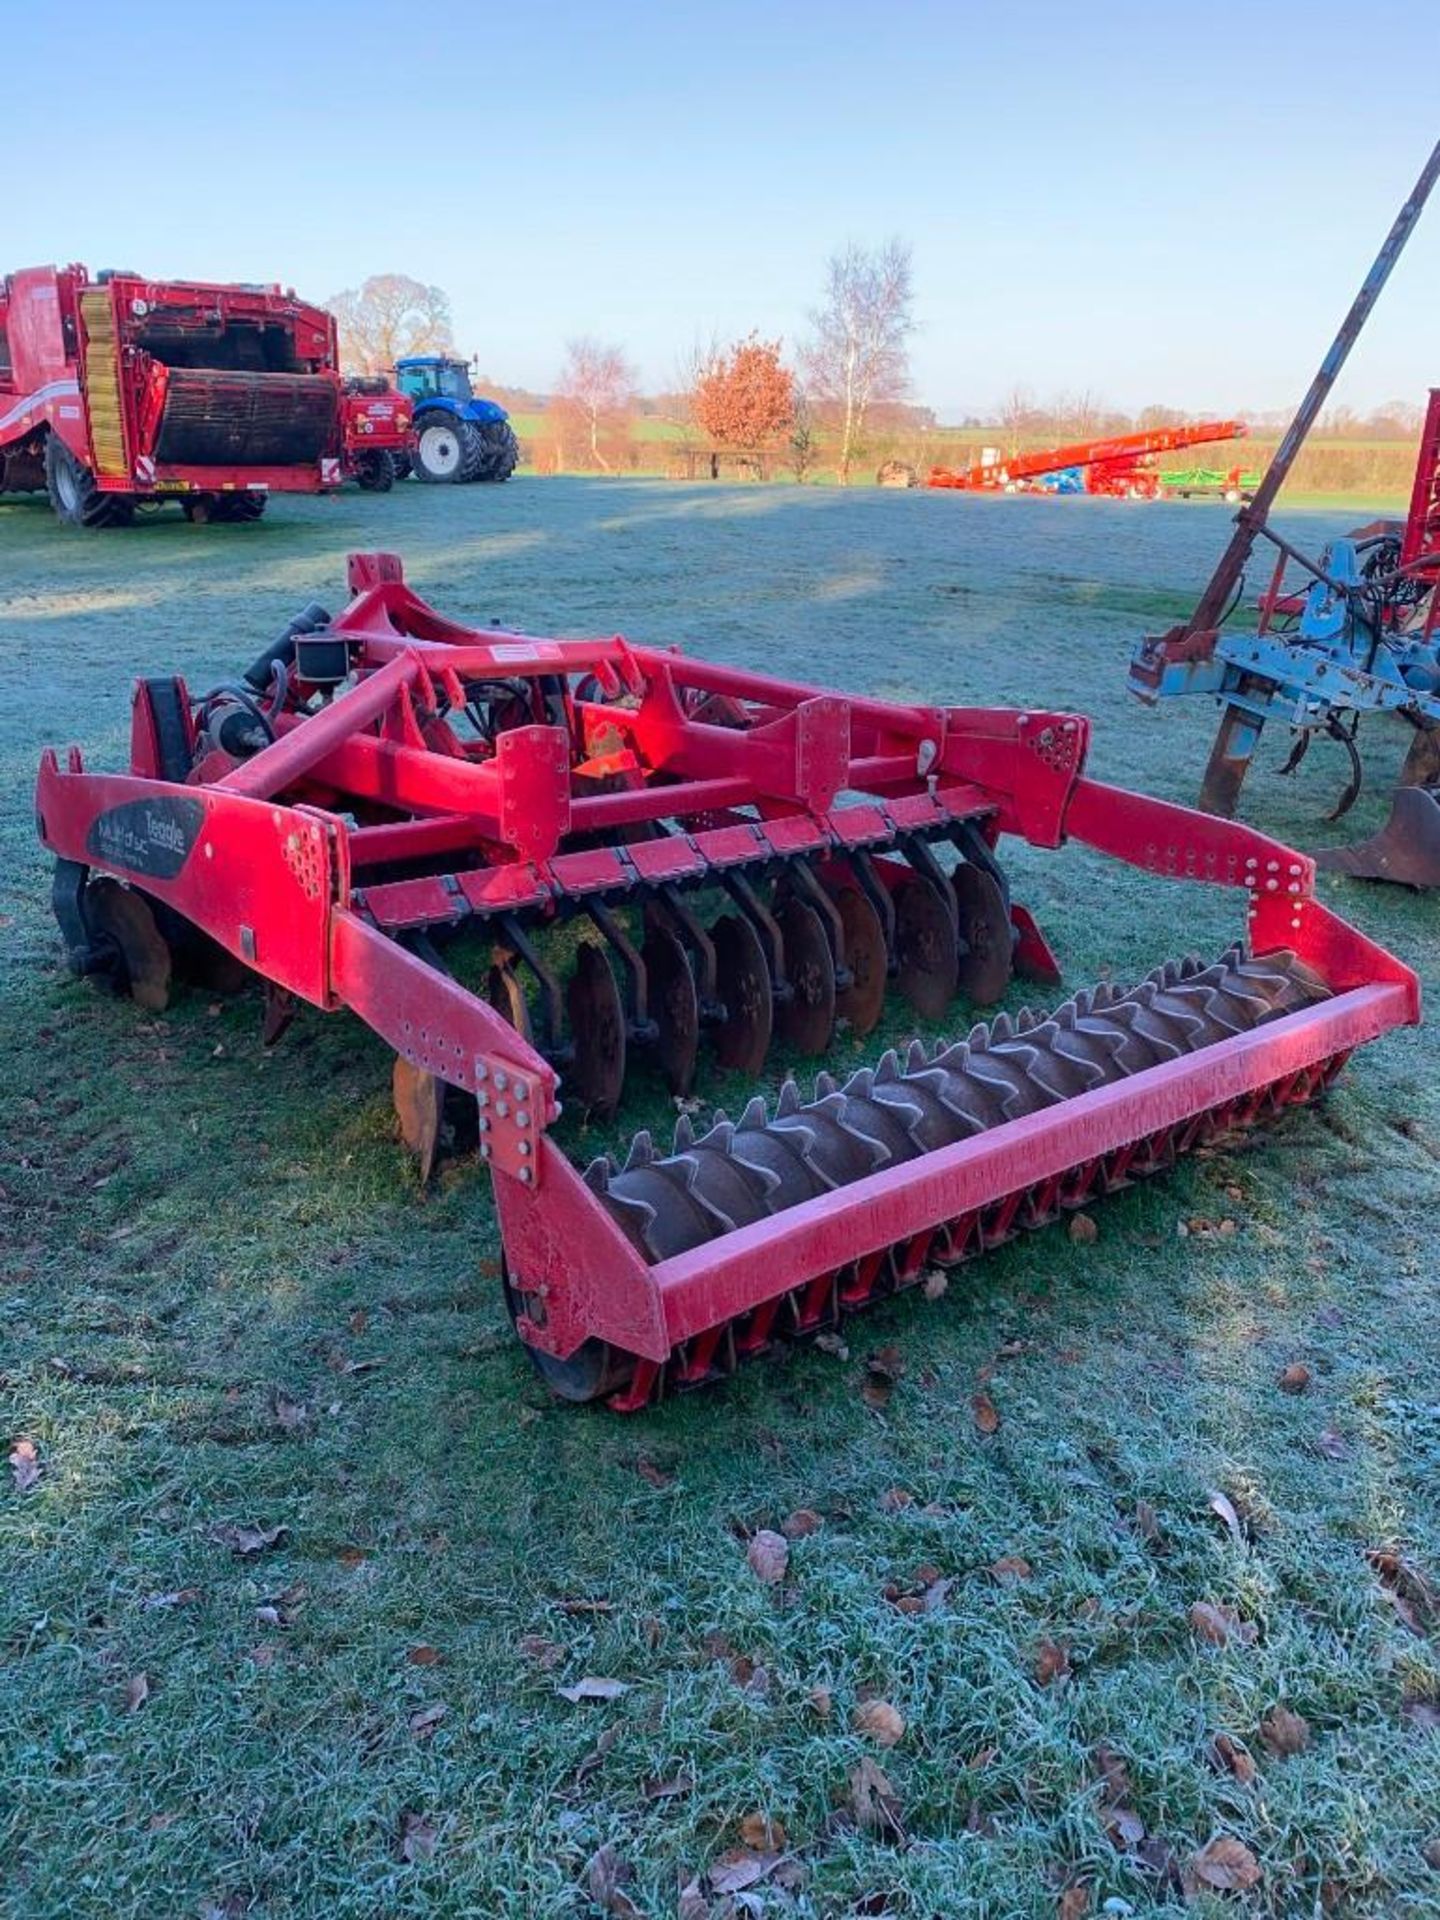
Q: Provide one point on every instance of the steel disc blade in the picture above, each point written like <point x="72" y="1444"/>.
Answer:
<point x="506" y="995"/>
<point x="743" y="1037"/>
<point x="597" y="1029"/>
<point x="122" y="917"/>
<point x="984" y="972"/>
<point x="419" y="1107"/>
<point x="807" y="1018"/>
<point x="674" y="1007"/>
<point x="925" y="945"/>
<point x="863" y="1001"/>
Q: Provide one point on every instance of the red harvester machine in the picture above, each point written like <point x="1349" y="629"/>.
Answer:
<point x="120" y="390"/>
<point x="383" y="788"/>
<point x="1122" y="467"/>
<point x="375" y="419"/>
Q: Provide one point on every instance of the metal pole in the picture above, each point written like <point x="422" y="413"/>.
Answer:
<point x="1251" y="518"/>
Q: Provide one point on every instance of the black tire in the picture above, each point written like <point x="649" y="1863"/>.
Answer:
<point x="448" y="450"/>
<point x="401" y="463"/>
<point x="220" y="509"/>
<point x="501" y="451"/>
<point x="375" y="471"/>
<point x="76" y="499"/>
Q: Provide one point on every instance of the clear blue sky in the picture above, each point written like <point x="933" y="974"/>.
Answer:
<point x="1153" y="199"/>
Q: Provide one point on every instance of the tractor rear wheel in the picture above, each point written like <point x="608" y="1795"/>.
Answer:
<point x="77" y="500"/>
<point x="375" y="471"/>
<point x="500" y="451"/>
<point x="448" y="450"/>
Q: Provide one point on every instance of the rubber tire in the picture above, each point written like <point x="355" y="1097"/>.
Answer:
<point x="375" y="472"/>
<point x="76" y="499"/>
<point x="401" y="463"/>
<point x="232" y="508"/>
<point x="501" y="451"/>
<point x="471" y="451"/>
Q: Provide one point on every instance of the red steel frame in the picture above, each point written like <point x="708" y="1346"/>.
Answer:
<point x="257" y="855"/>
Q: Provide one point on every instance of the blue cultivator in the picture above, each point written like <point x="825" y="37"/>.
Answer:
<point x="1361" y="637"/>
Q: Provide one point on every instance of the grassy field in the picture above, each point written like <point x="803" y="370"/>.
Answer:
<point x="308" y="1557"/>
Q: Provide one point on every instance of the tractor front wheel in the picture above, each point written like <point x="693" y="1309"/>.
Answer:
<point x="74" y="494"/>
<point x="448" y="450"/>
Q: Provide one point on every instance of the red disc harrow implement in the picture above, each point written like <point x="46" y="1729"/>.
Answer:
<point x="739" y="860"/>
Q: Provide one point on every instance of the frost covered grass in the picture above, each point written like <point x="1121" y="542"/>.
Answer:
<point x="226" y="1310"/>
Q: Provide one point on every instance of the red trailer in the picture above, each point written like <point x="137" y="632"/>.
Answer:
<point x="116" y="389"/>
<point x="1121" y="466"/>
<point x="377" y="432"/>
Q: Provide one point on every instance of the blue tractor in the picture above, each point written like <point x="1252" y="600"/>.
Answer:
<point x="458" y="436"/>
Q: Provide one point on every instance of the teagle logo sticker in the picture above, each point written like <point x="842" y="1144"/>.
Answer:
<point x="150" y="837"/>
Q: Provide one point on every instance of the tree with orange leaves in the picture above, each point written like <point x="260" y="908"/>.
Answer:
<point x="744" y="397"/>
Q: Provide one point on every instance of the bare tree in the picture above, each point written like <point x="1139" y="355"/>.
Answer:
<point x="858" y="354"/>
<point x="801" y="451"/>
<point x="595" y="392"/>
<point x="389" y="316"/>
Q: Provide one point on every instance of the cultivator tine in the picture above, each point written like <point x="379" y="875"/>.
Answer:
<point x="742" y="1036"/>
<point x="927" y="946"/>
<point x="419" y="1107"/>
<point x="1350" y="793"/>
<point x="806" y="1016"/>
<point x="597" y="1028"/>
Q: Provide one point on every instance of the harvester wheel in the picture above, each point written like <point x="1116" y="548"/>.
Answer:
<point x="742" y="978"/>
<point x="597" y="1022"/>
<point x="987" y="941"/>
<point x="925" y="945"/>
<point x="807" y="1018"/>
<point x="77" y="500"/>
<point x="674" y="1007"/>
<point x="447" y="450"/>
<point x="593" y="1371"/>
<point x="124" y="928"/>
<point x="863" y="1001"/>
<point x="400" y="463"/>
<point x="375" y="471"/>
<point x="499" y="451"/>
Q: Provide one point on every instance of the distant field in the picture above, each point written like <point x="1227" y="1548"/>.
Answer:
<point x="224" y="1304"/>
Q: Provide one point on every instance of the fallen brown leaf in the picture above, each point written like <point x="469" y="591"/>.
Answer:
<point x="657" y="1476"/>
<point x="1284" y="1733"/>
<point x="800" y="1524"/>
<point x="424" y="1656"/>
<point x="137" y="1692"/>
<point x="886" y="1363"/>
<point x="1052" y="1662"/>
<point x="1083" y="1230"/>
<point x="605" y="1876"/>
<point x="164" y="1602"/>
<point x="246" y="1541"/>
<point x="1221" y="1505"/>
<point x="597" y="1753"/>
<point x="1220" y="1625"/>
<point x="1412" y="1593"/>
<point x="1295" y="1378"/>
<point x="769" y="1556"/>
<point x="25" y="1465"/>
<point x="1232" y="1756"/>
<point x="593" y="1688"/>
<point x="289" y="1414"/>
<point x="545" y="1653"/>
<point x="1226" y="1864"/>
<point x="896" y="1499"/>
<point x="1011" y="1567"/>
<point x="762" y="1834"/>
<point x="359" y="1320"/>
<point x="1147" y="1523"/>
<point x="821" y="1702"/>
<point x="985" y="1413"/>
<point x="739" y="1868"/>
<point x="935" y="1282"/>
<point x="1074" y="1903"/>
<point x="879" y="1721"/>
<point x="419" y="1838"/>
<point x="585" y="1606"/>
<point x="669" y="1786"/>
<point x="1423" y="1715"/>
<point x="874" y="1802"/>
<point x="1333" y="1445"/>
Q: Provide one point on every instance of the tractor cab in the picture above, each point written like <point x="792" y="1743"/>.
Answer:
<point x="430" y="376"/>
